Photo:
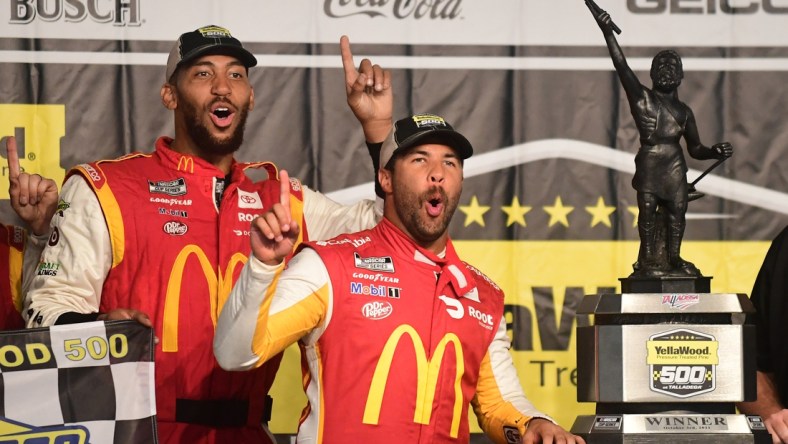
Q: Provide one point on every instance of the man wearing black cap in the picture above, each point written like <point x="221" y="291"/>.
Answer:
<point x="400" y="336"/>
<point x="158" y="237"/>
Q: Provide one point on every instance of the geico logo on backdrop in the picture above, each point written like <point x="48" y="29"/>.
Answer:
<point x="38" y="130"/>
<point x="117" y="12"/>
<point x="707" y="6"/>
<point x="399" y="9"/>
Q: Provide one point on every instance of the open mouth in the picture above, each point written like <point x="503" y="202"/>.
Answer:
<point x="434" y="206"/>
<point x="222" y="115"/>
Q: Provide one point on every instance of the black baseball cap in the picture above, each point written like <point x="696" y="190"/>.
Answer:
<point x="206" y="40"/>
<point x="421" y="129"/>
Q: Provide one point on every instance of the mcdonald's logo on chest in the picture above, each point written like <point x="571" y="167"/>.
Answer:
<point x="427" y="374"/>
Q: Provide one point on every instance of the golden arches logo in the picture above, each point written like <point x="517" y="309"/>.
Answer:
<point x="219" y="286"/>
<point x="427" y="372"/>
<point x="43" y="126"/>
<point x="186" y="163"/>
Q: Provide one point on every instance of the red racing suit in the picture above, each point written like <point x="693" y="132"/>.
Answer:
<point x="397" y="342"/>
<point x="12" y="246"/>
<point x="169" y="262"/>
<point x="174" y="255"/>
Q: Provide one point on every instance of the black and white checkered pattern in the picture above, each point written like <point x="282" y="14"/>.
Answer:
<point x="97" y="375"/>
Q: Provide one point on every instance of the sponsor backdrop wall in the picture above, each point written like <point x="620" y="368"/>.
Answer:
<point x="547" y="210"/>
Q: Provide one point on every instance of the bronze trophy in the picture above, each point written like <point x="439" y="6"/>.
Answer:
<point x="666" y="360"/>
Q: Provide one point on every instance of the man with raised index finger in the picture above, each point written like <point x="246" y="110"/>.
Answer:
<point x="34" y="199"/>
<point x="159" y="237"/>
<point x="399" y="335"/>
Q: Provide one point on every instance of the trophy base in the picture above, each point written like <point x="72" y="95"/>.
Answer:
<point x="666" y="284"/>
<point x="671" y="428"/>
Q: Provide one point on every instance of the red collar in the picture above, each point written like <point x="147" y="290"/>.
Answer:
<point x="451" y="270"/>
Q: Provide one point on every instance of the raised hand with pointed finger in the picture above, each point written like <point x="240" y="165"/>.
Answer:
<point x="369" y="94"/>
<point x="274" y="233"/>
<point x="34" y="198"/>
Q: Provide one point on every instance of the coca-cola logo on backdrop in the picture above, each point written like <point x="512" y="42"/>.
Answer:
<point x="399" y="9"/>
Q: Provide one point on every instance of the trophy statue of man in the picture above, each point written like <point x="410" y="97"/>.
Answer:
<point x="660" y="169"/>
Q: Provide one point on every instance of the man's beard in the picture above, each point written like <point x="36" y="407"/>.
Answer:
<point x="667" y="80"/>
<point x="409" y="209"/>
<point x="209" y="144"/>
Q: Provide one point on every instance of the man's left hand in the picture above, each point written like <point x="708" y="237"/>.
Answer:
<point x="545" y="432"/>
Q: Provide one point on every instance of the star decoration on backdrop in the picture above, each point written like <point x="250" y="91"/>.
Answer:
<point x="515" y="213"/>
<point x="558" y="213"/>
<point x="474" y="213"/>
<point x="598" y="213"/>
<point x="601" y="213"/>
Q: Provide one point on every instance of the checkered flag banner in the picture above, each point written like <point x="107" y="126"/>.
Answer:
<point x="89" y="383"/>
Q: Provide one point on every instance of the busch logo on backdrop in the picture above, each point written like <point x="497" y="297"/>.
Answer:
<point x="117" y="12"/>
<point x="400" y="9"/>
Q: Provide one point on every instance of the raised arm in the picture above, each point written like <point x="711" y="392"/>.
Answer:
<point x="33" y="198"/>
<point x="370" y="97"/>
<point x="271" y="307"/>
<point x="81" y="252"/>
<point x="630" y="82"/>
<point x="274" y="233"/>
<point x="369" y="94"/>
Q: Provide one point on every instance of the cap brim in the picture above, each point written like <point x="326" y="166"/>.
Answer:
<point x="446" y="137"/>
<point x="240" y="53"/>
<point x="450" y="138"/>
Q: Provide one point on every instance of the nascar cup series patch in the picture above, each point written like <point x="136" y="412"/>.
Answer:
<point x="682" y="363"/>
